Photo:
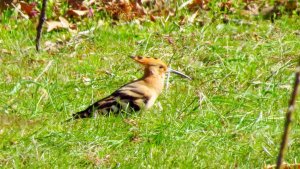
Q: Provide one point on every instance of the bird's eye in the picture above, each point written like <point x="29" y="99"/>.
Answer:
<point x="161" y="67"/>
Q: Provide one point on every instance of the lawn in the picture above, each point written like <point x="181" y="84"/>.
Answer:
<point x="230" y="116"/>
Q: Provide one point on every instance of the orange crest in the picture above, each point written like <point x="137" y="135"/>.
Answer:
<point x="148" y="61"/>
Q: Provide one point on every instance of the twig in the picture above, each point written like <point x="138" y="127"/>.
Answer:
<point x="288" y="119"/>
<point x="40" y="25"/>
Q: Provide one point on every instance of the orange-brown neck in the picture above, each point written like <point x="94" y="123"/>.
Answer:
<point x="154" y="78"/>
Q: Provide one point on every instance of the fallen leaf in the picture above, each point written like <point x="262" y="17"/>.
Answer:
<point x="75" y="3"/>
<point x="152" y="18"/>
<point x="196" y="4"/>
<point x="226" y="6"/>
<point x="29" y="9"/>
<point x="64" y="22"/>
<point x="77" y="13"/>
<point x="52" y="25"/>
<point x="291" y="5"/>
<point x="61" y="24"/>
<point x="125" y="9"/>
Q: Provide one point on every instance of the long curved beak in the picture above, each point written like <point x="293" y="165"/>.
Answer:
<point x="179" y="73"/>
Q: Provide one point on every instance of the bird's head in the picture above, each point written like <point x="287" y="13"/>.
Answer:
<point x="156" y="67"/>
<point x="153" y="66"/>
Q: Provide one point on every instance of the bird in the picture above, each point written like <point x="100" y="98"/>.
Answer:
<point x="133" y="96"/>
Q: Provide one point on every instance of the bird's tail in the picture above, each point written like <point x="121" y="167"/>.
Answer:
<point x="80" y="115"/>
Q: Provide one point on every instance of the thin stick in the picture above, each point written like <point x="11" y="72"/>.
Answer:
<point x="288" y="119"/>
<point x="40" y="25"/>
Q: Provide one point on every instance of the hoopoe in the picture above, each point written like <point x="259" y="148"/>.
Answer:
<point x="135" y="95"/>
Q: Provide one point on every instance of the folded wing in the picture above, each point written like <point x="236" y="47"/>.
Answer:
<point x="126" y="99"/>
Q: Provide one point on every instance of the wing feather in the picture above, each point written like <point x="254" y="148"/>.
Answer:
<point x="127" y="98"/>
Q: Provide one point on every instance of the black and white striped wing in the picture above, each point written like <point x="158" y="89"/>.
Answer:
<point x="126" y="99"/>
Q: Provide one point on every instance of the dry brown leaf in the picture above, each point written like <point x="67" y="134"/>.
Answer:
<point x="64" y="22"/>
<point x="52" y="25"/>
<point x="196" y="4"/>
<point x="291" y="5"/>
<point x="80" y="8"/>
<point x="73" y="28"/>
<point x="226" y="6"/>
<point x="152" y="18"/>
<point x="125" y="9"/>
<point x="77" y="13"/>
<point x="61" y="24"/>
<point x="29" y="9"/>
<point x="119" y="9"/>
<point x="76" y="4"/>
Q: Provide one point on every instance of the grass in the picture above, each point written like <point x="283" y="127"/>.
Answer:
<point x="230" y="116"/>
